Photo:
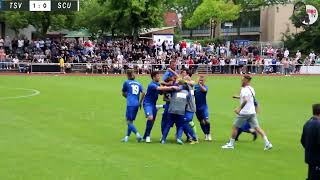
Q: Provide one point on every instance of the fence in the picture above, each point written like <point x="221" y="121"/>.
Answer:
<point x="103" y="68"/>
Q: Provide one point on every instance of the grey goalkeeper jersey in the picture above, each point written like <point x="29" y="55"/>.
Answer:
<point x="178" y="102"/>
<point x="191" y="104"/>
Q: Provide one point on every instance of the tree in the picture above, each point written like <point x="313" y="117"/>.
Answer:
<point x="43" y="21"/>
<point x="213" y="10"/>
<point x="133" y="15"/>
<point x="95" y="16"/>
<point x="121" y="16"/>
<point x="16" y="21"/>
<point x="183" y="7"/>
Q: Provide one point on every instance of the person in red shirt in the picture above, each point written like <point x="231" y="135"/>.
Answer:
<point x="183" y="44"/>
<point x="190" y="62"/>
<point x="215" y="63"/>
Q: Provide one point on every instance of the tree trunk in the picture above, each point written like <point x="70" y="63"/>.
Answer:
<point x="45" y="25"/>
<point x="239" y="27"/>
<point x="191" y="33"/>
<point x="112" y="33"/>
<point x="135" y="34"/>
<point x="212" y="28"/>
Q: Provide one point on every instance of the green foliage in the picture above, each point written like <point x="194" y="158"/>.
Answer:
<point x="120" y="16"/>
<point x="254" y="4"/>
<point x="217" y="10"/>
<point x="205" y="42"/>
<point x="16" y="20"/>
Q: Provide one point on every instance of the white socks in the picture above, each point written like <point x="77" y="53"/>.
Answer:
<point x="232" y="141"/>
<point x="266" y="141"/>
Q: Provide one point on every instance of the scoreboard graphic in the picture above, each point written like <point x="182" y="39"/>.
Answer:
<point x="39" y="5"/>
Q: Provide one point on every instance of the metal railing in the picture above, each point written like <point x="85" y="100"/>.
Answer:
<point x="103" y="68"/>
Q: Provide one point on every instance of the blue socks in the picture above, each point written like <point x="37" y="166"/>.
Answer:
<point x="131" y="128"/>
<point x="203" y="128"/>
<point x="149" y="126"/>
<point x="208" y="128"/>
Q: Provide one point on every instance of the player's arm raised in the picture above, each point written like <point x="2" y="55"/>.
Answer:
<point x="175" y="73"/>
<point x="202" y="87"/>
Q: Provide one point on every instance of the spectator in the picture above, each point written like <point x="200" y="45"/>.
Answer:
<point x="310" y="140"/>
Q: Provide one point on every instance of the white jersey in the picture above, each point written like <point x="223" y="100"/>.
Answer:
<point x="247" y="93"/>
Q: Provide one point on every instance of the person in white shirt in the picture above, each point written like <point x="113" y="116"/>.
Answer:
<point x="222" y="64"/>
<point x="286" y="53"/>
<point x="298" y="55"/>
<point x="247" y="113"/>
<point x="15" y="62"/>
<point x="177" y="47"/>
<point x="170" y="45"/>
<point x="20" y="43"/>
<point x="312" y="56"/>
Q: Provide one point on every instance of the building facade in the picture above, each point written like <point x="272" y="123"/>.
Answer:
<point x="265" y="24"/>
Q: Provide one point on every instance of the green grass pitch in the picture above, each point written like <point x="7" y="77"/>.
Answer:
<point x="72" y="131"/>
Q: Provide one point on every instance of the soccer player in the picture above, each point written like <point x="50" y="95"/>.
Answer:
<point x="177" y="110"/>
<point x="247" y="113"/>
<point x="169" y="79"/>
<point x="191" y="106"/>
<point x="202" y="108"/>
<point x="150" y="101"/>
<point x="247" y="129"/>
<point x="132" y="90"/>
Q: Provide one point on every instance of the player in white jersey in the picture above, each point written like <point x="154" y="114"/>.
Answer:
<point x="247" y="113"/>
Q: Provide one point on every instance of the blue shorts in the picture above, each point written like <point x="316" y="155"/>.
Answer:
<point x="246" y="127"/>
<point x="131" y="112"/>
<point x="188" y="116"/>
<point x="165" y="112"/>
<point x="202" y="114"/>
<point x="150" y="110"/>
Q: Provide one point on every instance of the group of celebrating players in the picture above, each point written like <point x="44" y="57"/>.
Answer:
<point x="183" y="98"/>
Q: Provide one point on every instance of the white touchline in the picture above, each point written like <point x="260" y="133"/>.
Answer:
<point x="34" y="93"/>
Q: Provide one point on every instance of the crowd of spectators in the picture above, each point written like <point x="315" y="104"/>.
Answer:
<point x="144" y="55"/>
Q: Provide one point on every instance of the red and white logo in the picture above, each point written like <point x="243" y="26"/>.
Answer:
<point x="312" y="13"/>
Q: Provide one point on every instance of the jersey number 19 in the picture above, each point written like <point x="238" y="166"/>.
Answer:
<point x="135" y="89"/>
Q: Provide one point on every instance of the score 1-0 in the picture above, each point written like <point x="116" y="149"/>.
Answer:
<point x="40" y="6"/>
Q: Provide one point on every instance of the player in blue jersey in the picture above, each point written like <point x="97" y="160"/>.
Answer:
<point x="168" y="79"/>
<point x="202" y="113"/>
<point x="150" y="101"/>
<point x="132" y="90"/>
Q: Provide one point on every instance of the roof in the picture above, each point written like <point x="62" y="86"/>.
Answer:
<point x="155" y="30"/>
<point x="78" y="34"/>
<point x="171" y="19"/>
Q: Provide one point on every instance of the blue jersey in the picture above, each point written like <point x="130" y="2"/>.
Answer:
<point x="167" y="74"/>
<point x="152" y="94"/>
<point x="133" y="89"/>
<point x="200" y="97"/>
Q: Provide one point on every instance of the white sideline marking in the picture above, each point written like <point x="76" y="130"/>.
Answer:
<point x="34" y="93"/>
